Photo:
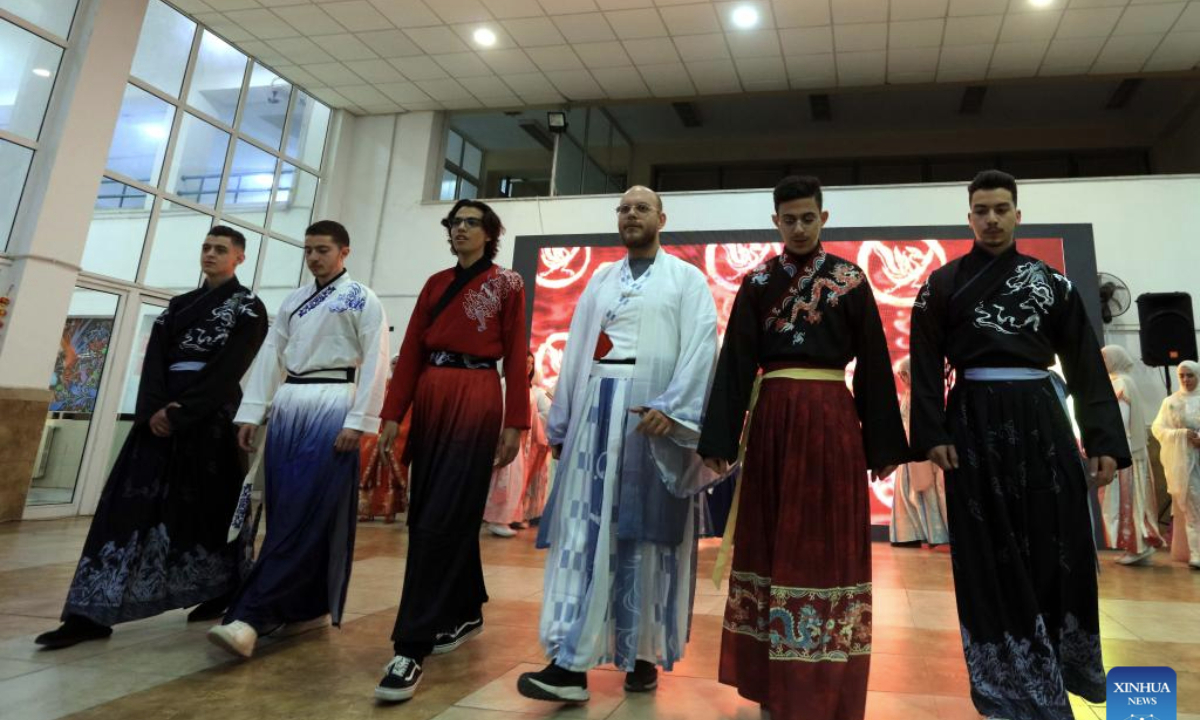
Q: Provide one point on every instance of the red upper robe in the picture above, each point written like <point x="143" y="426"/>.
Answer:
<point x="485" y="319"/>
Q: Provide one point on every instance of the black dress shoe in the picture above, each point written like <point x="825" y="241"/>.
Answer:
<point x="209" y="610"/>
<point x="644" y="677"/>
<point x="75" y="629"/>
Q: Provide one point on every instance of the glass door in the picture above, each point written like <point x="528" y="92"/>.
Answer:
<point x="76" y="381"/>
<point x="148" y="312"/>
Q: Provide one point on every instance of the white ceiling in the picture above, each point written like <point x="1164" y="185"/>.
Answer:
<point x="386" y="56"/>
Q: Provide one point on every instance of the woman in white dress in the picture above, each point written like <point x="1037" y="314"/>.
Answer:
<point x="1177" y="428"/>
<point x="1129" y="506"/>
<point x="518" y="491"/>
<point x="919" y="496"/>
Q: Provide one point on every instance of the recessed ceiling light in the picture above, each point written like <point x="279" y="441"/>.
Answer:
<point x="42" y="72"/>
<point x="745" y="17"/>
<point x="485" y="37"/>
<point x="1041" y="3"/>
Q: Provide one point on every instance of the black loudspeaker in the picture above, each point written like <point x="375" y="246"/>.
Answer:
<point x="1168" y="332"/>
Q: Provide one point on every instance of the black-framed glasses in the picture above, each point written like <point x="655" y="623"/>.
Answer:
<point x="640" y="209"/>
<point x="471" y="222"/>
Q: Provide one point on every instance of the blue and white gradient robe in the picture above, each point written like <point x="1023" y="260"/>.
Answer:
<point x="303" y="568"/>
<point x="621" y="522"/>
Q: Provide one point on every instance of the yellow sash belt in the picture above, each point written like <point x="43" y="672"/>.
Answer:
<point x="825" y="374"/>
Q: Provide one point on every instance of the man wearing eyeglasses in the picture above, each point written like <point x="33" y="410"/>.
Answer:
<point x="620" y="523"/>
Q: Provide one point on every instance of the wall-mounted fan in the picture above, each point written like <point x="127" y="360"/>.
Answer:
<point x="1115" y="297"/>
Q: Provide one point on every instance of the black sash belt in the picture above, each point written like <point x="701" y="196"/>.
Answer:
<point x="621" y="361"/>
<point x="329" y="376"/>
<point x="462" y="361"/>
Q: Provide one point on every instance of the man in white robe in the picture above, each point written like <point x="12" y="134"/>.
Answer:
<point x="321" y="376"/>
<point x="622" y="516"/>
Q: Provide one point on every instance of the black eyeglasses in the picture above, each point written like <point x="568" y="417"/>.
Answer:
<point x="471" y="222"/>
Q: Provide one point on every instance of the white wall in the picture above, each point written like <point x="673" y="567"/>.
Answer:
<point x="1145" y="228"/>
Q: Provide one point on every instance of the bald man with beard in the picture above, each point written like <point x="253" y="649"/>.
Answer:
<point x="621" y="522"/>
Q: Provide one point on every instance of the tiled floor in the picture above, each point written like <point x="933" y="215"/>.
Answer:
<point x="163" y="668"/>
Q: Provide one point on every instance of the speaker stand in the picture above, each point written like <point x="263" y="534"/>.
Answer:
<point x="1167" y="377"/>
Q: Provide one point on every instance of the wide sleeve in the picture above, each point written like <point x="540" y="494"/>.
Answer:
<point x="558" y="421"/>
<point x="266" y="374"/>
<point x="1175" y="452"/>
<point x="737" y="367"/>
<point x="516" y="347"/>
<point x="411" y="363"/>
<point x="685" y="396"/>
<point x="1096" y="411"/>
<point x="220" y="383"/>
<point x="152" y="388"/>
<point x="927" y="357"/>
<point x="874" y="387"/>
<point x="372" y="373"/>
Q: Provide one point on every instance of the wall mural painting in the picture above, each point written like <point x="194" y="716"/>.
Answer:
<point x="80" y="364"/>
<point x="897" y="268"/>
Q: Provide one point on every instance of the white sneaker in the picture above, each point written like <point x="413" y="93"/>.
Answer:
<point x="501" y="530"/>
<point x="1134" y="559"/>
<point x="290" y="629"/>
<point x="237" y="637"/>
<point x="1194" y="561"/>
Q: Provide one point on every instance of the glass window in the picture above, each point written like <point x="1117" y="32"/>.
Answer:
<point x="280" y="273"/>
<point x="28" y="66"/>
<point x="569" y="173"/>
<point x="449" y="185"/>
<point x="75" y="384"/>
<point x="175" y="255"/>
<point x="147" y="314"/>
<point x="454" y="148"/>
<point x="217" y="81"/>
<point x="468" y="191"/>
<point x="248" y="186"/>
<point x="266" y="106"/>
<point x="198" y="161"/>
<point x="306" y="134"/>
<point x="245" y="271"/>
<point x="118" y="230"/>
<point x="472" y="160"/>
<point x="293" y="206"/>
<point x="52" y="15"/>
<point x="140" y="139"/>
<point x="14" y="167"/>
<point x="163" y="48"/>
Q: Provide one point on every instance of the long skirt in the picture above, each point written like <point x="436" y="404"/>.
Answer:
<point x="609" y="600"/>
<point x="456" y="419"/>
<point x="919" y="505"/>
<point x="1185" y="540"/>
<point x="303" y="567"/>
<point x="383" y="484"/>
<point x="1130" y="509"/>
<point x="508" y="486"/>
<point x="158" y="540"/>
<point x="1022" y="550"/>
<point x="537" y="483"/>
<point x="797" y="630"/>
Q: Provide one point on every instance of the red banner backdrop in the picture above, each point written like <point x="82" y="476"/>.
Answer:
<point x="896" y="269"/>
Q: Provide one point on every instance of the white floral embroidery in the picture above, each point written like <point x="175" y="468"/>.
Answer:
<point x="484" y="304"/>
<point x="214" y="331"/>
<point x="1030" y="290"/>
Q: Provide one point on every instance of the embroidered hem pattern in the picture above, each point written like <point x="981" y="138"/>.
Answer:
<point x="804" y="624"/>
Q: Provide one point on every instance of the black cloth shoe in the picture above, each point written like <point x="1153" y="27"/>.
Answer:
<point x="447" y="641"/>
<point x="209" y="610"/>
<point x="644" y="677"/>
<point x="554" y="684"/>
<point x="400" y="680"/>
<point x="75" y="629"/>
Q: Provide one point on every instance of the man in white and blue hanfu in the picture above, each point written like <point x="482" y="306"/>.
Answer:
<point x="321" y="374"/>
<point x="622" y="518"/>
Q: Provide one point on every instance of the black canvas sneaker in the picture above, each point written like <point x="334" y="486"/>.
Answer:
<point x="554" y="684"/>
<point x="644" y="677"/>
<point x="400" y="679"/>
<point x="447" y="641"/>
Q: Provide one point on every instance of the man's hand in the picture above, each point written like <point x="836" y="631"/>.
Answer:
<point x="718" y="465"/>
<point x="653" y="423"/>
<point x="506" y="451"/>
<point x="1193" y="438"/>
<point x="945" y="457"/>
<point x="387" y="436"/>
<point x="883" y="473"/>
<point x="347" y="440"/>
<point x="1101" y="471"/>
<point x="160" y="424"/>
<point x="246" y="436"/>
<point x="555" y="451"/>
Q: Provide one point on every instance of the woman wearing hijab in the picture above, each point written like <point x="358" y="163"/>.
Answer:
<point x="518" y="491"/>
<point x="1177" y="428"/>
<point x="919" y="498"/>
<point x="1128" y="505"/>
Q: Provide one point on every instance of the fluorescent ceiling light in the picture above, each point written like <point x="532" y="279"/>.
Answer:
<point x="745" y="17"/>
<point x="485" y="37"/>
<point x="42" y="72"/>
